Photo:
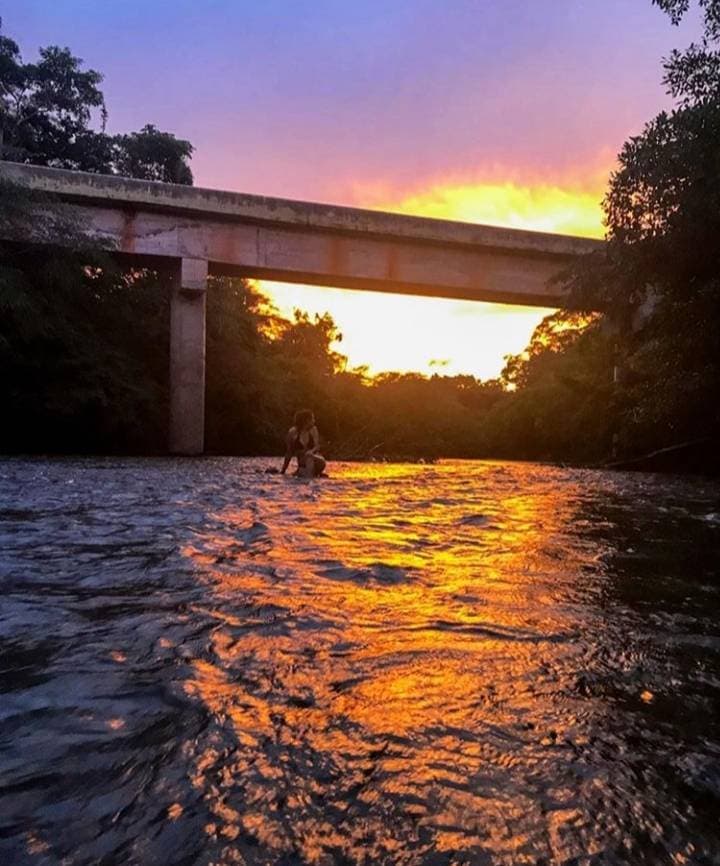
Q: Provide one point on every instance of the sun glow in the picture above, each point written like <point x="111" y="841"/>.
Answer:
<point x="402" y="333"/>
<point x="571" y="210"/>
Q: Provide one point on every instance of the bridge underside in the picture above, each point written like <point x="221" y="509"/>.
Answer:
<point x="198" y="232"/>
<point x="293" y="255"/>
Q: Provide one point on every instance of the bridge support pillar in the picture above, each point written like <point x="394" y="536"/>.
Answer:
<point x="187" y="357"/>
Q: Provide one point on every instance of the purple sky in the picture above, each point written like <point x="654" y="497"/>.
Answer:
<point x="310" y="99"/>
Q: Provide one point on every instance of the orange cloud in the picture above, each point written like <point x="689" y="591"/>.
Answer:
<point x="564" y="208"/>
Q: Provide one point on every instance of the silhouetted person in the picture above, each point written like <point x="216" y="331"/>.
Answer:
<point x="302" y="443"/>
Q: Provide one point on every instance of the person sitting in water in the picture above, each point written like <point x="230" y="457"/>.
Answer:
<point x="303" y="442"/>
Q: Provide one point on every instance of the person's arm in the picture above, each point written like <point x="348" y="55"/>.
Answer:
<point x="288" y="452"/>
<point x="314" y="447"/>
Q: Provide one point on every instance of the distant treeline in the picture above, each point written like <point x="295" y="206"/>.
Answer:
<point x="84" y="368"/>
<point x="84" y="346"/>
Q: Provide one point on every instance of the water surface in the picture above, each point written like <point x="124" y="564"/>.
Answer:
<point x="468" y="663"/>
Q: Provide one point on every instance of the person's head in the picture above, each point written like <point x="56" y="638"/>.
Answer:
<point x="304" y="419"/>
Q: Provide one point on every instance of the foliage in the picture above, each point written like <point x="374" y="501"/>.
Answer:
<point x="692" y="75"/>
<point x="47" y="109"/>
<point x="77" y="373"/>
<point x="262" y="367"/>
<point x="558" y="400"/>
<point x="153" y="155"/>
<point x="83" y="346"/>
<point x="658" y="278"/>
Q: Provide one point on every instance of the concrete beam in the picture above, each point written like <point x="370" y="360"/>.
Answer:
<point x="187" y="358"/>
<point x="305" y="242"/>
<point x="325" y="258"/>
<point x="129" y="193"/>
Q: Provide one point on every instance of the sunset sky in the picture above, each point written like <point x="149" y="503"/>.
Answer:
<point x="508" y="113"/>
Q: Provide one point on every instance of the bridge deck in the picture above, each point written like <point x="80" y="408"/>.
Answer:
<point x="324" y="244"/>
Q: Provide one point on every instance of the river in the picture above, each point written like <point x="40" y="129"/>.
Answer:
<point x="465" y="663"/>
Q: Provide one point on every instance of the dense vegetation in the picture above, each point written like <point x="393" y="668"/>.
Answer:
<point x="47" y="110"/>
<point x="660" y="272"/>
<point x="83" y="346"/>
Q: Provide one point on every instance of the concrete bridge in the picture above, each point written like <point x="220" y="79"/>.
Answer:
<point x="201" y="232"/>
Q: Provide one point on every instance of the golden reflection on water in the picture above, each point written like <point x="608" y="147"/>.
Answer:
<point x="468" y="663"/>
<point x="388" y="657"/>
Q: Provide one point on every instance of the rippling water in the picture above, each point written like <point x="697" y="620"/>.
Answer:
<point x="468" y="663"/>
